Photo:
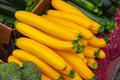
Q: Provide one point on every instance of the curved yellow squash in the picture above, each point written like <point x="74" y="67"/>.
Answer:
<point x="41" y="51"/>
<point x="45" y="25"/>
<point x="45" y="68"/>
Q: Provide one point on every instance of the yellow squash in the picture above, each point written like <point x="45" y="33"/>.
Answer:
<point x="44" y="25"/>
<point x="71" y="17"/>
<point x="43" y="38"/>
<point x="92" y="63"/>
<point x="45" y="68"/>
<point x="101" y="55"/>
<point x="90" y="51"/>
<point x="43" y="52"/>
<point x="77" y="63"/>
<point x="85" y="33"/>
<point x="11" y="58"/>
<point x="64" y="6"/>
<point x="97" y="42"/>
<point x="44" y="77"/>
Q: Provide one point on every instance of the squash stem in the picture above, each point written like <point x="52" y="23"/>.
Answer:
<point x="94" y="77"/>
<point x="60" y="77"/>
<point x="101" y="29"/>
<point x="96" y="53"/>
<point x="95" y="65"/>
<point x="72" y="73"/>
<point x="80" y="48"/>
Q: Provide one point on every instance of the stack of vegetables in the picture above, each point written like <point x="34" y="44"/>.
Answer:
<point x="63" y="42"/>
<point x="9" y="7"/>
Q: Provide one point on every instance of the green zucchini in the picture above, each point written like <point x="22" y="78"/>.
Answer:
<point x="32" y="6"/>
<point x="18" y="2"/>
<point x="11" y="4"/>
<point x="86" y="4"/>
<point x="97" y="3"/>
<point x="1" y="19"/>
<point x="8" y="10"/>
<point x="99" y="19"/>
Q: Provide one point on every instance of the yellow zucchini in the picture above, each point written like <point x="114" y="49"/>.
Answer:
<point x="92" y="63"/>
<point x="11" y="58"/>
<point x="90" y="51"/>
<point x="63" y="6"/>
<point x="45" y="68"/>
<point x="97" y="42"/>
<point x="43" y="52"/>
<point x="43" y="38"/>
<point x="77" y="63"/>
<point x="45" y="25"/>
<point x="44" y="77"/>
<point x="85" y="33"/>
<point x="71" y="17"/>
<point x="77" y="77"/>
<point x="101" y="55"/>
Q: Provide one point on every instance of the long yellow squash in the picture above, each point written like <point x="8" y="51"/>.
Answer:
<point x="41" y="37"/>
<point x="97" y="42"/>
<point x="71" y="17"/>
<point x="101" y="55"/>
<point x="45" y="68"/>
<point x="43" y="52"/>
<point x="45" y="25"/>
<point x="90" y="51"/>
<point x="44" y="77"/>
<point x="11" y="58"/>
<point x="92" y="63"/>
<point x="85" y="33"/>
<point x="63" y="6"/>
<point x="77" y="63"/>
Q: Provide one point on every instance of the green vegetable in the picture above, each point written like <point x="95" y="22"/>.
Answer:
<point x="7" y="9"/>
<point x="1" y="19"/>
<point x="97" y="3"/>
<point x="108" y="25"/>
<point x="86" y="4"/>
<point x="30" y="71"/>
<point x="10" y="71"/>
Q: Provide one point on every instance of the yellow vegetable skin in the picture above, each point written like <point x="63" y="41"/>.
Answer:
<point x="71" y="17"/>
<point x="97" y="42"/>
<point x="77" y="63"/>
<point x="41" y="37"/>
<point x="90" y="51"/>
<point x="45" y="77"/>
<point x="11" y="58"/>
<point x="101" y="55"/>
<point x="45" y="68"/>
<point x="43" y="52"/>
<point x="92" y="63"/>
<point x="64" y="6"/>
<point x="85" y="33"/>
<point x="45" y="25"/>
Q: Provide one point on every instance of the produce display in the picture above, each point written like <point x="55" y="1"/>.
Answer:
<point x="64" y="43"/>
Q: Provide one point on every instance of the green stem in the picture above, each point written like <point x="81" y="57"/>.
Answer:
<point x="101" y="29"/>
<point x="60" y="77"/>
<point x="106" y="40"/>
<point x="96" y="53"/>
<point x="75" y="44"/>
<point x="72" y="73"/>
<point x="79" y="37"/>
<point x="94" y="77"/>
<point x="80" y="48"/>
<point x="95" y="65"/>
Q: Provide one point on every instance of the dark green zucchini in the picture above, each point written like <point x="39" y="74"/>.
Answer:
<point x="8" y="10"/>
<point x="86" y="4"/>
<point x="21" y="3"/>
<point x="11" y="4"/>
<point x="1" y="19"/>
<point x="97" y="3"/>
<point x="99" y="19"/>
